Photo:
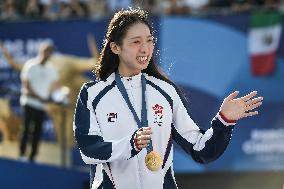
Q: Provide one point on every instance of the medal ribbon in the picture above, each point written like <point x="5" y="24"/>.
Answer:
<point x="144" y="120"/>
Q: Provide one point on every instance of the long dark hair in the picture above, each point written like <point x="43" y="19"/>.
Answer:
<point x="117" y="29"/>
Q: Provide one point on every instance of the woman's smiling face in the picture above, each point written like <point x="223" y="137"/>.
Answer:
<point x="136" y="50"/>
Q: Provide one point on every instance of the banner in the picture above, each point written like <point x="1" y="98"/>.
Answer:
<point x="208" y="57"/>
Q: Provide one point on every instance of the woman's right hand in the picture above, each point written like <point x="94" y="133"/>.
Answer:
<point x="142" y="137"/>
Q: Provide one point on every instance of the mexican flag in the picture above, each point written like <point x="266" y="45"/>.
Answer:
<point x="264" y="37"/>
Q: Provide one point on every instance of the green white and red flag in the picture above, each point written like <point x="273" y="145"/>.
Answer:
<point x="264" y="37"/>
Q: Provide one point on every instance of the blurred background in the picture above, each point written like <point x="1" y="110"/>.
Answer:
<point x="208" y="47"/>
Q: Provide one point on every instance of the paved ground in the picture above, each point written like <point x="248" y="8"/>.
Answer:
<point x="49" y="153"/>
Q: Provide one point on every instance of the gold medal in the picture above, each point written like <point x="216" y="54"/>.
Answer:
<point x="153" y="161"/>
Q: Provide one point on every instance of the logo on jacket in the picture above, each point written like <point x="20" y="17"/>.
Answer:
<point x="158" y="110"/>
<point x="112" y="117"/>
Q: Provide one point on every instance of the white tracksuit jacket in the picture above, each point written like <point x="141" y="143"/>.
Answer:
<point x="104" y="129"/>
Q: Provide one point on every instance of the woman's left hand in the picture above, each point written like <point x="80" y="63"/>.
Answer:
<point x="236" y="108"/>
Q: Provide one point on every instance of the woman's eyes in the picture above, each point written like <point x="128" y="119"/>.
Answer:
<point x="139" y="42"/>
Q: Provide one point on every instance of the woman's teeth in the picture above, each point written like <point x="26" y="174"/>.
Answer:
<point x="142" y="58"/>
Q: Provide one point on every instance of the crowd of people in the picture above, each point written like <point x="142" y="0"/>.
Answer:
<point x="95" y="9"/>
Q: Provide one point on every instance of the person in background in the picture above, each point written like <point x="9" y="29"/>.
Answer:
<point x="9" y="11"/>
<point x="39" y="79"/>
<point x="34" y="9"/>
<point x="70" y="69"/>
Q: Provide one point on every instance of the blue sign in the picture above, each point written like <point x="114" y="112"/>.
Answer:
<point x="208" y="57"/>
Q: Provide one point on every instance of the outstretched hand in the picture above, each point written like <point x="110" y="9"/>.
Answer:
<point x="236" y="108"/>
<point x="10" y="59"/>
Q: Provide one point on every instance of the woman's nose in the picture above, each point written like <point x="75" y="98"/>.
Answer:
<point x="144" y="48"/>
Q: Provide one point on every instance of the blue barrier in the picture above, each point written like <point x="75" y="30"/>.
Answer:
<point x="18" y="175"/>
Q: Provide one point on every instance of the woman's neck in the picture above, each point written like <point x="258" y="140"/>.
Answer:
<point x="126" y="73"/>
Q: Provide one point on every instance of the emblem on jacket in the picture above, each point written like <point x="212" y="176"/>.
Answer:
<point x="112" y="117"/>
<point x="158" y="114"/>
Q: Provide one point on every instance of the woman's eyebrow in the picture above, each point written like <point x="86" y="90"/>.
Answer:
<point x="149" y="36"/>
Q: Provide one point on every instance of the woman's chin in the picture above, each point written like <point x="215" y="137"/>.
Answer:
<point x="143" y="65"/>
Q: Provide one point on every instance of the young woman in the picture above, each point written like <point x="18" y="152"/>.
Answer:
<point x="127" y="119"/>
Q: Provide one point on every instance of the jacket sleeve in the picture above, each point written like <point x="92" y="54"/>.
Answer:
<point x="204" y="147"/>
<point x="93" y="147"/>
